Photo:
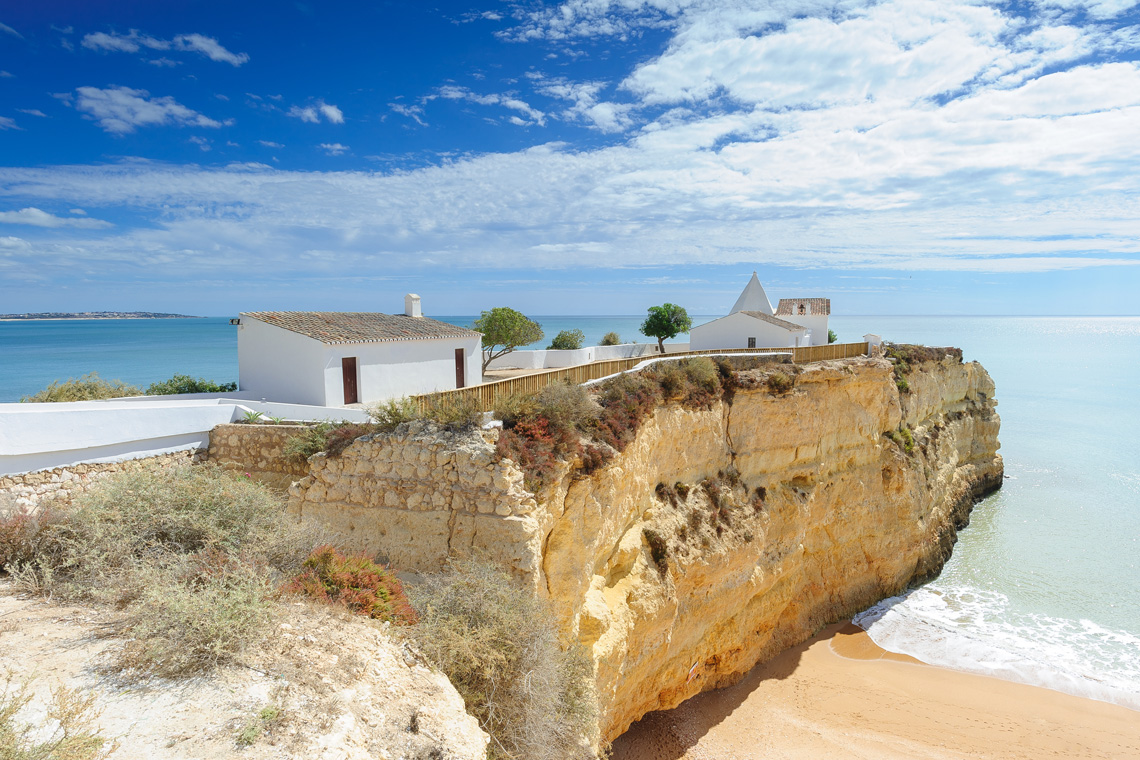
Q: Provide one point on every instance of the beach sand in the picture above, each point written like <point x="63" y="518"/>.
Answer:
<point x="840" y="695"/>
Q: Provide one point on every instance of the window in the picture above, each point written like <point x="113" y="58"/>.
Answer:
<point x="803" y="309"/>
<point x="752" y="343"/>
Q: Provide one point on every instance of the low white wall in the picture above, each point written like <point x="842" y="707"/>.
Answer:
<point x="42" y="436"/>
<point x="551" y="359"/>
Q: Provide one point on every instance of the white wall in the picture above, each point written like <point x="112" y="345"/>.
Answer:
<point x="394" y="369"/>
<point x="279" y="365"/>
<point x="734" y="331"/>
<point x="551" y="358"/>
<point x="816" y="323"/>
<point x="42" y="436"/>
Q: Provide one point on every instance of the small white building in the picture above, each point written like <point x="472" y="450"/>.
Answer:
<point x="753" y="323"/>
<point x="812" y="313"/>
<point x="332" y="358"/>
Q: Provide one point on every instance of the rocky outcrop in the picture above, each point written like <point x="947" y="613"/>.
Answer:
<point x="718" y="538"/>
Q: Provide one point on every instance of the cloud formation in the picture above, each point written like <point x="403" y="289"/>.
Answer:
<point x="313" y="113"/>
<point x="334" y="149"/>
<point x="135" y="40"/>
<point x="120" y="110"/>
<point x="533" y="115"/>
<point x="37" y="218"/>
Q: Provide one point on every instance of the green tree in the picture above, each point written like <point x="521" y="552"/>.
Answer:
<point x="504" y="330"/>
<point x="831" y="336"/>
<point x="568" y="340"/>
<point x="610" y="339"/>
<point x="665" y="322"/>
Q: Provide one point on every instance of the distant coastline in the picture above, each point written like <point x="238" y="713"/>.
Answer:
<point x="58" y="315"/>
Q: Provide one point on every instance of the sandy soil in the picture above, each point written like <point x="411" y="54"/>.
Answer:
<point x="343" y="687"/>
<point x="839" y="695"/>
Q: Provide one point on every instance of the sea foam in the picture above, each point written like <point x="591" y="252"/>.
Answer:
<point x="976" y="631"/>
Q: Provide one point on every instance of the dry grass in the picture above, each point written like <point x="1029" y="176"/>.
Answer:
<point x="193" y="558"/>
<point x="69" y="735"/>
<point x="499" y="646"/>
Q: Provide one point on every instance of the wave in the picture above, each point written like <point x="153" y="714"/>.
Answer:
<point x="976" y="631"/>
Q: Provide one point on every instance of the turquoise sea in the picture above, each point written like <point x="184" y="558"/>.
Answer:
<point x="1043" y="587"/>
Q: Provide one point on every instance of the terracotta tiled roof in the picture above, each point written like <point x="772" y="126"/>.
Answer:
<point x="788" y="307"/>
<point x="359" y="327"/>
<point x="773" y="320"/>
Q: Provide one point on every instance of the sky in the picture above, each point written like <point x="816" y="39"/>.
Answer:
<point x="584" y="157"/>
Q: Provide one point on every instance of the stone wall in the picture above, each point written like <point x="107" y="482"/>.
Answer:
<point x="717" y="539"/>
<point x="259" y="451"/>
<point x="25" y="492"/>
<point x="420" y="495"/>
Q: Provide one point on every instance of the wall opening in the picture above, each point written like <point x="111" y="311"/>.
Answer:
<point x="460" y="366"/>
<point x="752" y="343"/>
<point x="348" y="372"/>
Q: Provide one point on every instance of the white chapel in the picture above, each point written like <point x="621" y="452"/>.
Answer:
<point x="753" y="323"/>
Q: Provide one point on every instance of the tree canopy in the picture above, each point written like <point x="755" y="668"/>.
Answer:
<point x="665" y="322"/>
<point x="504" y="330"/>
<point x="568" y="340"/>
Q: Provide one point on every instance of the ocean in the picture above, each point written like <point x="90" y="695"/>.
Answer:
<point x="1043" y="587"/>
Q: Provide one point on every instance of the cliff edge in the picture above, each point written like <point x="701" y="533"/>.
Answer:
<point x="719" y="537"/>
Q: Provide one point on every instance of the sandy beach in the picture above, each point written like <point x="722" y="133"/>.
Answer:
<point x="840" y="695"/>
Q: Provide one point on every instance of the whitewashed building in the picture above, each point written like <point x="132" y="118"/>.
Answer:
<point x="331" y="358"/>
<point x="753" y="323"/>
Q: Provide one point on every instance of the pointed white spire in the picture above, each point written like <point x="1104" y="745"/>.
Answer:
<point x="753" y="298"/>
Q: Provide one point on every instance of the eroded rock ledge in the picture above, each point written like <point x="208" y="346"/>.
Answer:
<point x="717" y="539"/>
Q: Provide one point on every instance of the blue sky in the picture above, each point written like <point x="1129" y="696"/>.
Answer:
<point x="592" y="156"/>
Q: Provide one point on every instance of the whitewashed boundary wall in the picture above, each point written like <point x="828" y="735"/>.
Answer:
<point x="50" y="435"/>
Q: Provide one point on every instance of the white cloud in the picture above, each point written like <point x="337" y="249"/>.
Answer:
<point x="412" y="112"/>
<point x="9" y="30"/>
<point x="120" y="110"/>
<point x="454" y="92"/>
<point x="123" y="43"/>
<point x="271" y="144"/>
<point x="37" y="218"/>
<point x="209" y="47"/>
<point x="313" y="113"/>
<point x="6" y="75"/>
<point x="604" y="116"/>
<point x="8" y="123"/>
<point x="905" y="134"/>
<point x="164" y="63"/>
<point x="331" y="112"/>
<point x="202" y="143"/>
<point x="308" y="113"/>
<point x="133" y="41"/>
<point x="33" y="112"/>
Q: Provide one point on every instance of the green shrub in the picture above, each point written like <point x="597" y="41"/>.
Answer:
<point x="330" y="437"/>
<point x="454" y="413"/>
<point x="90" y="387"/>
<point x="610" y="339"/>
<point x="498" y="644"/>
<point x="393" y="413"/>
<point x="72" y="737"/>
<point x="831" y="336"/>
<point x="354" y="581"/>
<point x="566" y="405"/>
<point x="187" y="384"/>
<point x="904" y="438"/>
<point x="567" y="340"/>
<point x="779" y="382"/>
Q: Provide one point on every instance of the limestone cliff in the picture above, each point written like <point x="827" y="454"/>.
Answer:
<point x="718" y="538"/>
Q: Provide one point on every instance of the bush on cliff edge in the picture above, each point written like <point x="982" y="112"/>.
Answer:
<point x="499" y="645"/>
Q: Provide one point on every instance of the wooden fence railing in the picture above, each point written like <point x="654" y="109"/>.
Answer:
<point x="488" y="395"/>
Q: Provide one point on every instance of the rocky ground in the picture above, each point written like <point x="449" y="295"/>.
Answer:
<point x="322" y="684"/>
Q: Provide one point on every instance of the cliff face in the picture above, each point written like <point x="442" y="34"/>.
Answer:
<point x="717" y="539"/>
<point x="815" y="516"/>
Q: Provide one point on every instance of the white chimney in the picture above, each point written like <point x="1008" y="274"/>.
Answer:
<point x="412" y="305"/>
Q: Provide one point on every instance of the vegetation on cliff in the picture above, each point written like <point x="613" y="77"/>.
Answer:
<point x="499" y="645"/>
<point x="566" y="422"/>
